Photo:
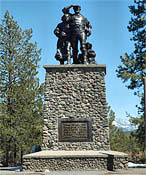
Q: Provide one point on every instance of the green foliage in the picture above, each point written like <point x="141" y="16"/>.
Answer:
<point x="20" y="93"/>
<point x="134" y="65"/>
<point x="133" y="69"/>
<point x="139" y="133"/>
<point x="119" y="140"/>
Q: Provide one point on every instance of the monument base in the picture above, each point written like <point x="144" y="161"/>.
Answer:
<point x="75" y="160"/>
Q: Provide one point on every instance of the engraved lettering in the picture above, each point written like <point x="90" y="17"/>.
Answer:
<point x="75" y="130"/>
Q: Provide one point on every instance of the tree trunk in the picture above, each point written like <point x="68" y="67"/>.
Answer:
<point x="15" y="155"/>
<point x="21" y="156"/>
<point x="7" y="157"/>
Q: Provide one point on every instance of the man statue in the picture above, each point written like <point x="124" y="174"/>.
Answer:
<point x="80" y="28"/>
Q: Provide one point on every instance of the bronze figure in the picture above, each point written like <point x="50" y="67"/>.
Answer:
<point x="74" y="28"/>
<point x="63" y="43"/>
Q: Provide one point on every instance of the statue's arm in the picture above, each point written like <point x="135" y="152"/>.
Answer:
<point x="66" y="9"/>
<point x="57" y="31"/>
<point x="88" y="28"/>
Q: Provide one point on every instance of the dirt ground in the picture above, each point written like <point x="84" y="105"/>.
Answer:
<point x="132" y="171"/>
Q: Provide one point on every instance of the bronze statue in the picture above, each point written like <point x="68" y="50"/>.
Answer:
<point x="63" y="44"/>
<point x="90" y="55"/>
<point x="74" y="28"/>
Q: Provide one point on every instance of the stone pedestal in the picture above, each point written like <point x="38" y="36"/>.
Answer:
<point x="75" y="112"/>
<point x="75" y="160"/>
<point x="75" y="121"/>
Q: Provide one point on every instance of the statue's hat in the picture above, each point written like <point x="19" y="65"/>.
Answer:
<point x="76" y="6"/>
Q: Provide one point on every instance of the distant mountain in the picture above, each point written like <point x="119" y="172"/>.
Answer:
<point x="124" y="124"/>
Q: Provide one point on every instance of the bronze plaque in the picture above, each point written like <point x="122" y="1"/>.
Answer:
<point x="74" y="130"/>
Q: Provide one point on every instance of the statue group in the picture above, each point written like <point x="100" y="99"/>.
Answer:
<point x="73" y="29"/>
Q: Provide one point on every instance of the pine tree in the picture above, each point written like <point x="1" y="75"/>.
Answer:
<point x="20" y="91"/>
<point x="133" y="69"/>
<point x="134" y="65"/>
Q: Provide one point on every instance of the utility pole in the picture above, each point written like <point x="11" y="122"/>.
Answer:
<point x="145" y="116"/>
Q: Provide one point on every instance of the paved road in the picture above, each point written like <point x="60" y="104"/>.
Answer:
<point x="130" y="171"/>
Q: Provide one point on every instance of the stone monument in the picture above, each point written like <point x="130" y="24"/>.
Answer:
<point x="76" y="129"/>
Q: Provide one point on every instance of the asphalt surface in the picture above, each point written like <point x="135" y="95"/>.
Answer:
<point x="130" y="171"/>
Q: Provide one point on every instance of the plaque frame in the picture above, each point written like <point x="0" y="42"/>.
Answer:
<point x="61" y="121"/>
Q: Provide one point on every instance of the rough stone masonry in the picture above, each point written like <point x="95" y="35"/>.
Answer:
<point x="75" y="94"/>
<point x="76" y="130"/>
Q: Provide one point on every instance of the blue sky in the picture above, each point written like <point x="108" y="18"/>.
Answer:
<point x="110" y="38"/>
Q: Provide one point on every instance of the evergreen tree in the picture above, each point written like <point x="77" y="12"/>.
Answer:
<point x="20" y="92"/>
<point x="133" y="69"/>
<point x="134" y="65"/>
